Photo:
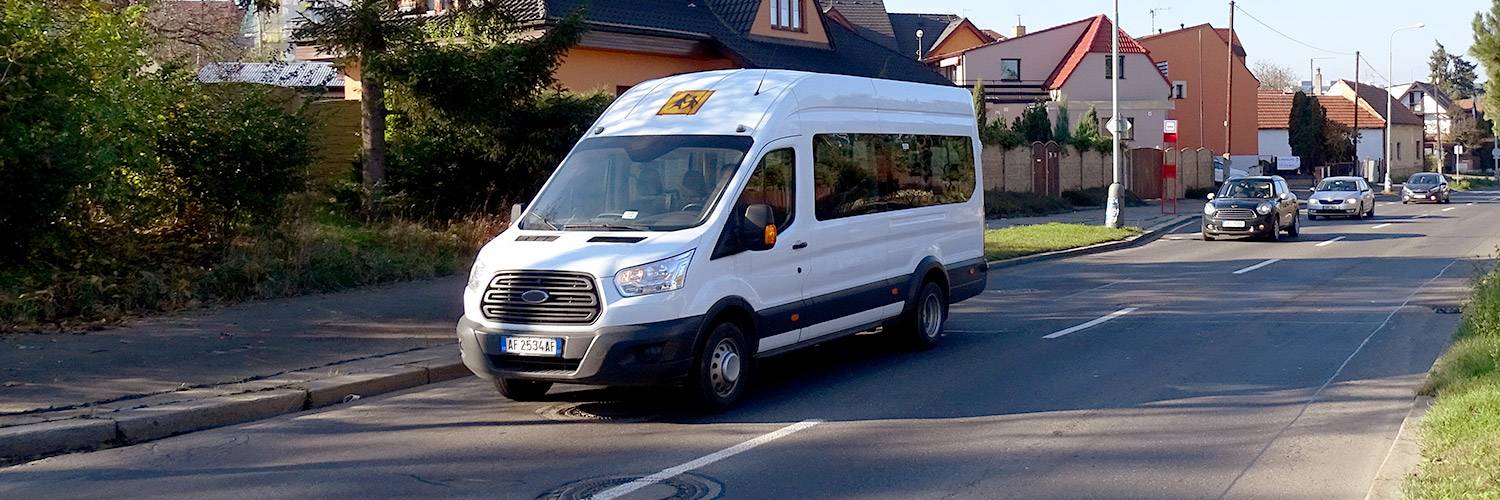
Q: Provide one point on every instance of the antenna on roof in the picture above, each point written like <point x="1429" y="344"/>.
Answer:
<point x="762" y="80"/>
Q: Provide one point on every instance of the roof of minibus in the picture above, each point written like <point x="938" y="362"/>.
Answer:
<point x="744" y="101"/>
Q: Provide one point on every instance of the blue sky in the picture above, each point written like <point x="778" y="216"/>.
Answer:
<point x="1335" y="25"/>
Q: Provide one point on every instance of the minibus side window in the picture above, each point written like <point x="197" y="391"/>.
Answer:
<point x="773" y="184"/>
<point x="858" y="174"/>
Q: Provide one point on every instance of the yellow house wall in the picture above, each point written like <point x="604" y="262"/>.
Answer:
<point x="586" y="70"/>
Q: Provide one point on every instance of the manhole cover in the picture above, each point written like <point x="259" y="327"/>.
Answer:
<point x="602" y="411"/>
<point x="681" y="487"/>
<point x="1447" y="309"/>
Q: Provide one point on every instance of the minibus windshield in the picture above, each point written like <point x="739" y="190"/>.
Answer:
<point x="638" y="183"/>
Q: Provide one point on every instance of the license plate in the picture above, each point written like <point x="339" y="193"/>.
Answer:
<point x="532" y="346"/>
<point x="1234" y="223"/>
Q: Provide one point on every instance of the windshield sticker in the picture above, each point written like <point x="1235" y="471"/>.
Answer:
<point x="630" y="215"/>
<point x="686" y="102"/>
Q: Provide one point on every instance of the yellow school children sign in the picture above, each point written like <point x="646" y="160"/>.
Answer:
<point x="686" y="102"/>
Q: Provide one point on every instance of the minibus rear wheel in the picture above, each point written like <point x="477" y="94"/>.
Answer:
<point x="522" y="390"/>
<point x="722" y="368"/>
<point x="922" y="327"/>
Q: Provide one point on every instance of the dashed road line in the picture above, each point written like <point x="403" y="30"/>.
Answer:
<point x="1449" y="208"/>
<point x="665" y="474"/>
<point x="1257" y="266"/>
<point x="1330" y="242"/>
<point x="1382" y="225"/>
<point x="1091" y="324"/>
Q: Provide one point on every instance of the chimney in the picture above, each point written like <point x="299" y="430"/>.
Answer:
<point x="1020" y="28"/>
<point x="1318" y="82"/>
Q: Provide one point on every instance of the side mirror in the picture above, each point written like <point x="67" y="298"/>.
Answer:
<point x="1313" y="189"/>
<point x="758" y="228"/>
<point x="516" y="211"/>
<point x="1210" y="196"/>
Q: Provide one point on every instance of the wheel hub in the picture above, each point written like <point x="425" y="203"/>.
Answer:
<point x="724" y="368"/>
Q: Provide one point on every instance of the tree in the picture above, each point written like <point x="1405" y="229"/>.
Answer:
<point x="1033" y="124"/>
<point x="1486" y="49"/>
<point x="1062" y="133"/>
<point x="1466" y="132"/>
<point x="1088" y="136"/>
<point x="1338" y="142"/>
<point x="1465" y="82"/>
<point x="1439" y="69"/>
<point x="981" y="109"/>
<point x="1274" y="76"/>
<point x="1307" y="129"/>
<point x="365" y="31"/>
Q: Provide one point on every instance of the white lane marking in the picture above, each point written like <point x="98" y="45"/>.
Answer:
<point x="1329" y="242"/>
<point x="1418" y="216"/>
<point x="1469" y="204"/>
<point x="1449" y="208"/>
<point x="630" y="487"/>
<point x="1094" y="289"/>
<point x="1091" y="324"/>
<point x="1382" y="225"/>
<point x="1257" y="266"/>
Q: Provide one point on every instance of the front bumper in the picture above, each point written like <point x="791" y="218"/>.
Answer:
<point x="1434" y="196"/>
<point x="647" y="354"/>
<point x="1341" y="209"/>
<point x="1262" y="224"/>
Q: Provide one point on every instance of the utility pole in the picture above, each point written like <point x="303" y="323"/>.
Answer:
<point x="1356" y="110"/>
<point x="1229" y="90"/>
<point x="1116" y="191"/>
<point x="1390" y="63"/>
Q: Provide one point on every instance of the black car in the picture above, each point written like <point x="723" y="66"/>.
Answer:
<point x="1251" y="206"/>
<point x="1425" y="186"/>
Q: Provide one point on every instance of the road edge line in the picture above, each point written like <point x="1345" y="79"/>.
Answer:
<point x="1404" y="455"/>
<point x="1147" y="236"/>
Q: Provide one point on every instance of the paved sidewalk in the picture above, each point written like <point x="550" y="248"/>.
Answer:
<point x="1142" y="217"/>
<point x="51" y="371"/>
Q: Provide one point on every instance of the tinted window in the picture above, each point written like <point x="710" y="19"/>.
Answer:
<point x="1338" y="185"/>
<point x="773" y="184"/>
<point x="1424" y="179"/>
<point x="857" y="174"/>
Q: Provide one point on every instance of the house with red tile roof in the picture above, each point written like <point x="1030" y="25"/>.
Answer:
<point x="1198" y="62"/>
<point x="1066" y="66"/>
<point x="1274" y="109"/>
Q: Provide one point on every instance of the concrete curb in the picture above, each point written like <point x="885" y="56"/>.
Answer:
<point x="298" y="391"/>
<point x="1405" y="454"/>
<point x="1149" y="235"/>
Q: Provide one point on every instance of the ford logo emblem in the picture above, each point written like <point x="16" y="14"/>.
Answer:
<point x="535" y="296"/>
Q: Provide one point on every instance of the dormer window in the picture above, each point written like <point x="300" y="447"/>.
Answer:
<point x="786" y="15"/>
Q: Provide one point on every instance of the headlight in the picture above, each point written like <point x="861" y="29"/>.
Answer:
<point x="1264" y="208"/>
<point x="1208" y="209"/>
<point x="479" y="276"/>
<point x="661" y="276"/>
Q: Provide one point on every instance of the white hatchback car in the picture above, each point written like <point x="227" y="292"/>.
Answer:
<point x="1345" y="196"/>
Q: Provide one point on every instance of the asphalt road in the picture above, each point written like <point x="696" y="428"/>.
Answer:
<point x="1287" y="380"/>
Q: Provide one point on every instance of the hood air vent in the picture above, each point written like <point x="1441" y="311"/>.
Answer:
<point x="536" y="237"/>
<point x="616" y="239"/>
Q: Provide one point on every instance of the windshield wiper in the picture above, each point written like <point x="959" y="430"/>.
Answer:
<point x="543" y="220"/>
<point x="603" y="226"/>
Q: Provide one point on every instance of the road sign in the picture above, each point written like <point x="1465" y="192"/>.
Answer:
<point x="1110" y="126"/>
<point x="1495" y="153"/>
<point x="1169" y="126"/>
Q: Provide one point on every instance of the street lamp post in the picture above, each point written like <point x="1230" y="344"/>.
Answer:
<point x="1116" y="191"/>
<point x="1390" y="64"/>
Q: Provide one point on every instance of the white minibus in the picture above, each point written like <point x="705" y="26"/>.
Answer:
<point x="711" y="219"/>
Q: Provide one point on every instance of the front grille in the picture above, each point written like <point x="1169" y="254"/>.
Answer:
<point x="1234" y="214"/>
<point x="572" y="298"/>
<point x="527" y="364"/>
<point x="1331" y="202"/>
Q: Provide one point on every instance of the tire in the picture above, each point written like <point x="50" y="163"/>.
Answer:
<point x="922" y="328"/>
<point x="1371" y="213"/>
<point x="1296" y="227"/>
<point x="1275" y="233"/>
<point x="1207" y="237"/>
<point x="722" y="369"/>
<point x="522" y="390"/>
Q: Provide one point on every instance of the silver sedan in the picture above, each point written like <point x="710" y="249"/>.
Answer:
<point x="1345" y="196"/>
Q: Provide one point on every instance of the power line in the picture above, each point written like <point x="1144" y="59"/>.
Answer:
<point x="1377" y="72"/>
<point x="1289" y="37"/>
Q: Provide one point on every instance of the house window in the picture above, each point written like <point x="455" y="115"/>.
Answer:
<point x="1179" y="89"/>
<point x="786" y="15"/>
<point x="1109" y="69"/>
<point x="1010" y="70"/>
<point x="1398" y="151"/>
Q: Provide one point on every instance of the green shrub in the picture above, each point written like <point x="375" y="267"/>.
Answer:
<point x="1006" y="204"/>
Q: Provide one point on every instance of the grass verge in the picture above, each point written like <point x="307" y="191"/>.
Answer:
<point x="1471" y="183"/>
<point x="1461" y="433"/>
<point x="1018" y="241"/>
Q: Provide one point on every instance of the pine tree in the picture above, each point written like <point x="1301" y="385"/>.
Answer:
<point x="1062" y="133"/>
<point x="981" y="111"/>
<point x="1486" y="49"/>
<point x="1440" y="69"/>
<point x="1307" y="129"/>
<point x="1087" y="135"/>
<point x="1464" y="81"/>
<point x="1033" y="124"/>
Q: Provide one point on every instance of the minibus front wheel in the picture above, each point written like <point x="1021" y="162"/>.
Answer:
<point x="522" y="390"/>
<point x="722" y="368"/>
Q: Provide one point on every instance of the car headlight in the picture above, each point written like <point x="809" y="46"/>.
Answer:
<point x="661" y="276"/>
<point x="1208" y="209"/>
<point x="479" y="276"/>
<point x="1264" y="208"/>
